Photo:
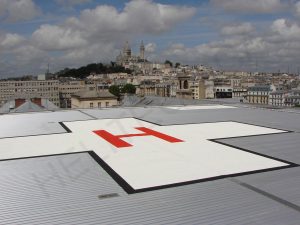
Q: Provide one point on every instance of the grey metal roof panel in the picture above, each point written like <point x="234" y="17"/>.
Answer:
<point x="281" y="183"/>
<point x="13" y="125"/>
<point x="283" y="146"/>
<point x="260" y="117"/>
<point x="138" y="112"/>
<point x="65" y="190"/>
<point x="94" y="94"/>
<point x="159" y="101"/>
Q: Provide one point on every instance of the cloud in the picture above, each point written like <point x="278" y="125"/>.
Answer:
<point x="106" y="26"/>
<point x="276" y="48"/>
<point x="297" y="8"/>
<point x="9" y="41"/>
<point x="53" y="38"/>
<point x="253" y="6"/>
<point x="19" y="56"/>
<point x="240" y="29"/>
<point x="285" y="30"/>
<point x="18" y="10"/>
<point x="150" y="47"/>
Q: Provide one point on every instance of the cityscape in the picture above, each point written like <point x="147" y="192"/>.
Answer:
<point x="89" y="89"/>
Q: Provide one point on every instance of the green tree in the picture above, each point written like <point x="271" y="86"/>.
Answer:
<point x="97" y="68"/>
<point x="115" y="90"/>
<point x="177" y="65"/>
<point x="129" y="89"/>
<point x="169" y="62"/>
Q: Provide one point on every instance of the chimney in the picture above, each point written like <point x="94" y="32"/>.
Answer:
<point x="19" y="102"/>
<point x="37" y="101"/>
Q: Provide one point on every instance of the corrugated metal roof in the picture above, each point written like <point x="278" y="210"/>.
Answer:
<point x="74" y="189"/>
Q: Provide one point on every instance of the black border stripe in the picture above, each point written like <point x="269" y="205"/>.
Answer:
<point x="114" y="175"/>
<point x="42" y="156"/>
<point x="253" y="152"/>
<point x="65" y="127"/>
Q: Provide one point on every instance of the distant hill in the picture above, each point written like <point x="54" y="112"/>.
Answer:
<point x="97" y="68"/>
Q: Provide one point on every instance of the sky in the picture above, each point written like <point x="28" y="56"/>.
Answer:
<point x="231" y="35"/>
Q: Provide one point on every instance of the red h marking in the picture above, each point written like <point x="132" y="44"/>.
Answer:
<point x="119" y="143"/>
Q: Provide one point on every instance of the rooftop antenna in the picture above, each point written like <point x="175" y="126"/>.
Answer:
<point x="47" y="72"/>
<point x="256" y="70"/>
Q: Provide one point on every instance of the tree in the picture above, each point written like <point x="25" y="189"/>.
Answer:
<point x="97" y="68"/>
<point x="112" y="64"/>
<point x="177" y="65"/>
<point x="129" y="89"/>
<point x="115" y="90"/>
<point x="169" y="62"/>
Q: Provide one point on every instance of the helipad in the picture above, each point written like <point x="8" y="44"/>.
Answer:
<point x="143" y="156"/>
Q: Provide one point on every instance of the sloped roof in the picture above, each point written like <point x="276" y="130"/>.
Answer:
<point x="94" y="94"/>
<point x="28" y="106"/>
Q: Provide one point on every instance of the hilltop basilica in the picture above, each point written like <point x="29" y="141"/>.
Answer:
<point x="126" y="58"/>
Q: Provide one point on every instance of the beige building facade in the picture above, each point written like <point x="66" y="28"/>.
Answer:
<point x="66" y="89"/>
<point x="93" y="99"/>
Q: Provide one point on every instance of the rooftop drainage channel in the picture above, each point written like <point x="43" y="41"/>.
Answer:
<point x="266" y="194"/>
<point x="88" y="114"/>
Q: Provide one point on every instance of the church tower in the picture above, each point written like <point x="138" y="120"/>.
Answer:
<point x="142" y="51"/>
<point x="127" y="50"/>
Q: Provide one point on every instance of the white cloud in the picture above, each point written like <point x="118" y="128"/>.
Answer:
<point x="150" y="47"/>
<point x="240" y="29"/>
<point x="18" y="10"/>
<point x="9" y="41"/>
<point x="106" y="26"/>
<point x="52" y="37"/>
<point x="285" y="30"/>
<point x="297" y="8"/>
<point x="273" y="49"/>
<point x="138" y="16"/>
<point x="19" y="56"/>
<point x="253" y="6"/>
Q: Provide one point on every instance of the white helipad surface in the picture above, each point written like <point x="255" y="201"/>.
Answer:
<point x="151" y="161"/>
<point x="197" y="107"/>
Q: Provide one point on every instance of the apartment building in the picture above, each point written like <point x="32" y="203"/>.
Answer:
<point x="46" y="89"/>
<point x="147" y="87"/>
<point x="223" y="91"/>
<point x="184" y="91"/>
<point x="166" y="89"/>
<point x="285" y="98"/>
<point x="198" y="89"/>
<point x="93" y="99"/>
<point x="68" y="88"/>
<point x="259" y="94"/>
<point x="278" y="98"/>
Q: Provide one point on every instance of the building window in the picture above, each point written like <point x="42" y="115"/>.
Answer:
<point x="106" y="104"/>
<point x="99" y="104"/>
<point x="91" y="105"/>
